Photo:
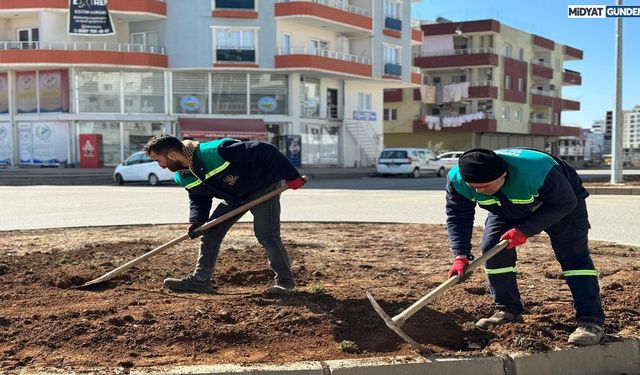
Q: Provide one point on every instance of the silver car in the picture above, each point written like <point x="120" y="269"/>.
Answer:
<point x="139" y="167"/>
<point x="450" y="159"/>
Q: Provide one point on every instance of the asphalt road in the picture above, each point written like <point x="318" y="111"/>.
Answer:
<point x="613" y="218"/>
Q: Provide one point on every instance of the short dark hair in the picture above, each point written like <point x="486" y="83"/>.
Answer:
<point x="162" y="144"/>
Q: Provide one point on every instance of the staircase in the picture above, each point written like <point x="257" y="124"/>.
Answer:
<point x="368" y="142"/>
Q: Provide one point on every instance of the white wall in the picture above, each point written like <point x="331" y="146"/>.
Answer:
<point x="53" y="27"/>
<point x="352" y="88"/>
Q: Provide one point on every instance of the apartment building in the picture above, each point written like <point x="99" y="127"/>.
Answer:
<point x="486" y="84"/>
<point x="307" y="76"/>
<point x="631" y="130"/>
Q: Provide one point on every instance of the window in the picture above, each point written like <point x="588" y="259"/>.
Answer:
<point x="392" y="60"/>
<point x="29" y="37"/>
<point x="190" y="92"/>
<point x="390" y="114"/>
<point x="143" y="92"/>
<point x="319" y="47"/>
<point x="507" y="82"/>
<point x="507" y="50"/>
<point x="505" y="113"/>
<point x="521" y="54"/>
<point x="517" y="114"/>
<point x="393" y="14"/>
<point x="436" y="80"/>
<point x="520" y="84"/>
<point x="286" y="43"/>
<point x="269" y="94"/>
<point x="364" y="101"/>
<point x="229" y="93"/>
<point x="99" y="91"/>
<point x="235" y="45"/>
<point x="309" y="97"/>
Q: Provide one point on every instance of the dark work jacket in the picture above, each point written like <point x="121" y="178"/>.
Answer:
<point x="539" y="191"/>
<point x="231" y="170"/>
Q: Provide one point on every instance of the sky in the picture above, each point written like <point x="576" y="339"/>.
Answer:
<point x="548" y="18"/>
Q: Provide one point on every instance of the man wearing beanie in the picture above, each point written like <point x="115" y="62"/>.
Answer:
<point x="526" y="192"/>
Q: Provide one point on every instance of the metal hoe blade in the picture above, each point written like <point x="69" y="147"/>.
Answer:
<point x="397" y="321"/>
<point x="395" y="327"/>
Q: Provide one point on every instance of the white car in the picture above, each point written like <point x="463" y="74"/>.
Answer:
<point x="409" y="161"/>
<point x="450" y="159"/>
<point x="139" y="167"/>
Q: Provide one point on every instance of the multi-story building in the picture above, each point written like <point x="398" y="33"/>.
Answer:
<point x="631" y="139"/>
<point x="306" y="75"/>
<point x="608" y="132"/>
<point x="486" y="84"/>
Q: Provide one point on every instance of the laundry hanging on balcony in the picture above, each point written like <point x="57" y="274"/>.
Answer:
<point x="428" y="94"/>
<point x="438" y="122"/>
<point x="441" y="94"/>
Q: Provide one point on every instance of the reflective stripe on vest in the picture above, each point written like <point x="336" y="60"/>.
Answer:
<point x="497" y="271"/>
<point x="217" y="170"/>
<point x="580" y="273"/>
<point x="193" y="184"/>
<point x="489" y="201"/>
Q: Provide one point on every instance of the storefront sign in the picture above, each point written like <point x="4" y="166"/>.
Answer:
<point x="54" y="94"/>
<point x="364" y="115"/>
<point x="190" y="103"/>
<point x="43" y="142"/>
<point x="294" y="150"/>
<point x="4" y="93"/>
<point x="267" y="104"/>
<point x="90" y="17"/>
<point x="6" y="149"/>
<point x="26" y="92"/>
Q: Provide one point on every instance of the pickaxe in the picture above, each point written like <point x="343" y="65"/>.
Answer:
<point x="110" y="275"/>
<point x="397" y="321"/>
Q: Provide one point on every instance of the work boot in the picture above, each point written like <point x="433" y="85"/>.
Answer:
<point x="586" y="334"/>
<point x="499" y="317"/>
<point x="282" y="287"/>
<point x="188" y="284"/>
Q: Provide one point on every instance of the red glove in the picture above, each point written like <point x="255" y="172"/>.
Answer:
<point x="458" y="266"/>
<point x="515" y="238"/>
<point x="192" y="230"/>
<point x="295" y="184"/>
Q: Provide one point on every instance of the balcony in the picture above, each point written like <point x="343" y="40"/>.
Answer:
<point x="154" y="7"/>
<point x="341" y="16"/>
<point x="486" y="125"/>
<point x="571" y="53"/>
<point x="540" y="127"/>
<point x="483" y="89"/>
<point x="416" y="76"/>
<point x="393" y="95"/>
<point x="570" y="77"/>
<point x="457" y="58"/>
<point x="541" y="69"/>
<point x="82" y="53"/>
<point x="543" y="98"/>
<point x="570" y="105"/>
<point x="417" y="36"/>
<point x="320" y="59"/>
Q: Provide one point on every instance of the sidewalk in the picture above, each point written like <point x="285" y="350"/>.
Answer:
<point x="104" y="176"/>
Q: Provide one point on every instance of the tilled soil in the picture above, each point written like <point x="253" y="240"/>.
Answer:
<point x="132" y="321"/>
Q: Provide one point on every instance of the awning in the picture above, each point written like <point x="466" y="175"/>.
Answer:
<point x="252" y="129"/>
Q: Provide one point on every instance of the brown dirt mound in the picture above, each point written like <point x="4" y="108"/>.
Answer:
<point x="132" y="321"/>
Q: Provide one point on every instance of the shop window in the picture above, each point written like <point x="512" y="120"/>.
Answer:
<point x="269" y="94"/>
<point x="309" y="97"/>
<point x="190" y="92"/>
<point x="229" y="94"/>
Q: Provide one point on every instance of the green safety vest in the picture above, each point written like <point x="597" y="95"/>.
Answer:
<point x="207" y="153"/>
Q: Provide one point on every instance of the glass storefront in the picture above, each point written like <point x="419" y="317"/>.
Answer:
<point x="135" y="136"/>
<point x="190" y="93"/>
<point x="309" y="97"/>
<point x="99" y="92"/>
<point x="320" y="144"/>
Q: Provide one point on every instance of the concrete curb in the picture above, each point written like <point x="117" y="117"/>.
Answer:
<point x="607" y="190"/>
<point x="614" y="358"/>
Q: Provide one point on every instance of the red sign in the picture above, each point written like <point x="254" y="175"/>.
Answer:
<point x="90" y="150"/>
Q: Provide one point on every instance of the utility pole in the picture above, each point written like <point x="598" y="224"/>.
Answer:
<point x="617" y="153"/>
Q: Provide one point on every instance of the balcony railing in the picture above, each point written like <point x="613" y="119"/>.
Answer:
<point x="241" y="55"/>
<point x="324" y="53"/>
<point x="337" y="4"/>
<point x="393" y="69"/>
<point x="235" y="4"/>
<point x="543" y="63"/>
<point x="552" y="94"/>
<point x="392" y="23"/>
<point x="415" y="69"/>
<point x="456" y="52"/>
<point x="81" y="46"/>
<point x="483" y="83"/>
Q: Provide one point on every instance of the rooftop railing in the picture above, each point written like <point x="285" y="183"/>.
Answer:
<point x="455" y="52"/>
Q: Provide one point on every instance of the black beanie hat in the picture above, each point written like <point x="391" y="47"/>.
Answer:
<point x="480" y="165"/>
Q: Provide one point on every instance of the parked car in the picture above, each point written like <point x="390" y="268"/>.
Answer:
<point x="139" y="167"/>
<point x="450" y="159"/>
<point x="412" y="162"/>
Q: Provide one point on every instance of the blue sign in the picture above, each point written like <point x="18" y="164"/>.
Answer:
<point x="364" y="115"/>
<point x="267" y="104"/>
<point x="90" y="17"/>
<point x="294" y="150"/>
<point x="190" y="103"/>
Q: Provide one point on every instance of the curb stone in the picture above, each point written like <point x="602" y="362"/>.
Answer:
<point x="434" y="366"/>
